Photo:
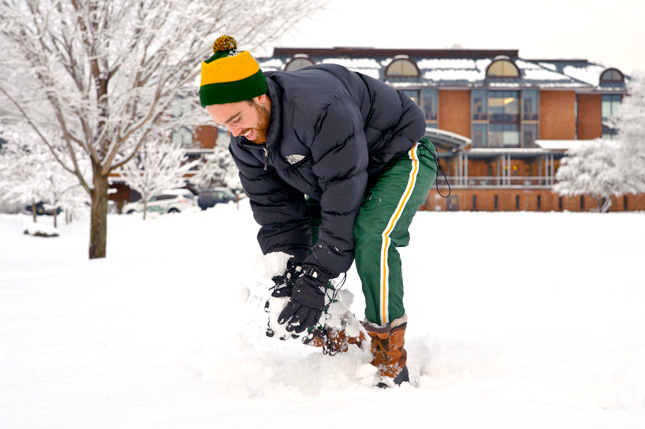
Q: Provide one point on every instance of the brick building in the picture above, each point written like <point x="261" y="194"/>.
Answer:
<point x="501" y="123"/>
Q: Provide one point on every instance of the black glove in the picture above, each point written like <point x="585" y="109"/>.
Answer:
<point x="283" y="284"/>
<point x="306" y="304"/>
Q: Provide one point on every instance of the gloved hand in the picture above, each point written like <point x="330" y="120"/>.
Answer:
<point x="283" y="284"/>
<point x="306" y="304"/>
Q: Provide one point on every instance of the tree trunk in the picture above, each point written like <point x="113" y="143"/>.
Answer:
<point x="606" y="205"/>
<point x="98" y="219"/>
<point x="145" y="208"/>
<point x="33" y="211"/>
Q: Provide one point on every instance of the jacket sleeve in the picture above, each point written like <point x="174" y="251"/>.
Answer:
<point x="340" y="158"/>
<point x="279" y="209"/>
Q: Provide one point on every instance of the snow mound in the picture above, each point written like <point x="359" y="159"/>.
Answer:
<point x="39" y="230"/>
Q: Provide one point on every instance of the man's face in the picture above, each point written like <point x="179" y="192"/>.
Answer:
<point x="247" y="118"/>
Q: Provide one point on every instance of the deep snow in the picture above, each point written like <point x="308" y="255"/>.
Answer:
<point x="516" y="320"/>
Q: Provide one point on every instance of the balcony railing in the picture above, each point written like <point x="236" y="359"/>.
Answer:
<point x="545" y="182"/>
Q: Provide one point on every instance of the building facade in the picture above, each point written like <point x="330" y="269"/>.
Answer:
<point x="501" y="123"/>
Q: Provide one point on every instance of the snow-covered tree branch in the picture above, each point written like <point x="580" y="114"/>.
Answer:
<point x="101" y="76"/>
<point x="30" y="174"/>
<point x="218" y="168"/>
<point x="155" y="168"/>
<point x="630" y="122"/>
<point x="592" y="169"/>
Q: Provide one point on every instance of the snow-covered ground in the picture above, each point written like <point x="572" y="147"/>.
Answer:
<point x="516" y="320"/>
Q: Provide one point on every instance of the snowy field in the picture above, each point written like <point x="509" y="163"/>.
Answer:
<point x="516" y="320"/>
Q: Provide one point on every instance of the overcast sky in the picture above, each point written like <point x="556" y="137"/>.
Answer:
<point x="610" y="32"/>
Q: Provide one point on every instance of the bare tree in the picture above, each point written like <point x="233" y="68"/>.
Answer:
<point x="103" y="74"/>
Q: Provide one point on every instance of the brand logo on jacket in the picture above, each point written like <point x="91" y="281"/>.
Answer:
<point x="294" y="159"/>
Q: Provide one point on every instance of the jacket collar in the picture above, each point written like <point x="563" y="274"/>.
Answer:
<point x="274" y="133"/>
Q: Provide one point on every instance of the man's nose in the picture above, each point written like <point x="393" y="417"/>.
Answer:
<point x="235" y="131"/>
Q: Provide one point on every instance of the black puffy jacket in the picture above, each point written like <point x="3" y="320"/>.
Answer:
<point x="332" y="131"/>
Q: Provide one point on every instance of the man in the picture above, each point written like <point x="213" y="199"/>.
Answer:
<point x="327" y="146"/>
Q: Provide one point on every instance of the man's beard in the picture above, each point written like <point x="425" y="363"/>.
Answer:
<point x="264" y="117"/>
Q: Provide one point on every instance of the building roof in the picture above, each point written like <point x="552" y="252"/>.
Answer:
<point x="560" y="145"/>
<point x="458" y="68"/>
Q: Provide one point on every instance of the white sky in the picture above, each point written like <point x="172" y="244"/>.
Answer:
<point x="611" y="33"/>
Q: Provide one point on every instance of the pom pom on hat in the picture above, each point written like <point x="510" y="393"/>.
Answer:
<point x="224" y="43"/>
<point x="229" y="76"/>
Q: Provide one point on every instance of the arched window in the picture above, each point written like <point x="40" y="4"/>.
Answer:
<point x="612" y="76"/>
<point x="299" y="61"/>
<point x="402" y="66"/>
<point x="502" y="67"/>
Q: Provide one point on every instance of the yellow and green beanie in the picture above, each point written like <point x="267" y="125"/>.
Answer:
<point x="230" y="76"/>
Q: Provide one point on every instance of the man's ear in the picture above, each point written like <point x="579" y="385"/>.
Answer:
<point x="264" y="100"/>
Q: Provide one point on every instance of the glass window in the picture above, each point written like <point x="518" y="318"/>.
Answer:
<point x="299" y="63"/>
<point x="529" y="134"/>
<point x="479" y="104"/>
<point x="429" y="104"/>
<point x="609" y="133"/>
<point x="413" y="94"/>
<point x="502" y="68"/>
<point x="610" y="105"/>
<point x="402" y="67"/>
<point x="480" y="135"/>
<point x="612" y="75"/>
<point x="530" y="104"/>
<point x="503" y="106"/>
<point x="504" y="135"/>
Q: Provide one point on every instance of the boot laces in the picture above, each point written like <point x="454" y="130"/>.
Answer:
<point x="381" y="351"/>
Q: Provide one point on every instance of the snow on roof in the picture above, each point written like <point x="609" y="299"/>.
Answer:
<point x="549" y="66"/>
<point x="589" y="74"/>
<point x="359" y="63"/>
<point x="271" y="64"/>
<point x="538" y="72"/>
<point x="467" y="71"/>
<point x="468" y="75"/>
<point x="560" y="144"/>
<point x="502" y="151"/>
<point x="447" y="63"/>
<point x="367" y="66"/>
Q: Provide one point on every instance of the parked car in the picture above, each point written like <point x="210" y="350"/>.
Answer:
<point x="43" y="209"/>
<point x="210" y="197"/>
<point x="170" y="201"/>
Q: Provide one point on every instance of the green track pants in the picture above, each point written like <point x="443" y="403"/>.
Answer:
<point x="381" y="226"/>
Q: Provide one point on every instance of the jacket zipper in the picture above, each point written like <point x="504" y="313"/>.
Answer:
<point x="266" y="157"/>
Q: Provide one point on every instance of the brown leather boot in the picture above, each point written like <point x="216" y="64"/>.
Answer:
<point x="389" y="356"/>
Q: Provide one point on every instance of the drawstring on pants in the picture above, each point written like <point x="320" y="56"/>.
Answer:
<point x="444" y="176"/>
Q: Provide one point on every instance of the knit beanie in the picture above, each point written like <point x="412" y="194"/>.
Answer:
<point x="230" y="76"/>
